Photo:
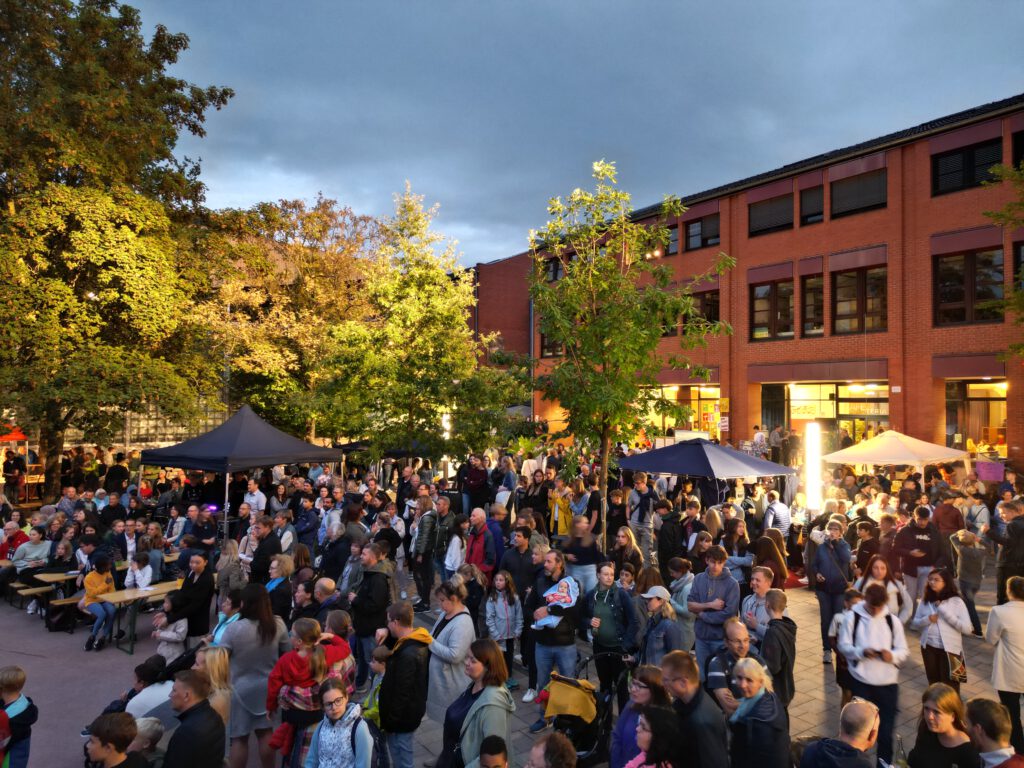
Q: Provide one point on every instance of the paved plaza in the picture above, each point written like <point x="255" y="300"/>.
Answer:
<point x="71" y="686"/>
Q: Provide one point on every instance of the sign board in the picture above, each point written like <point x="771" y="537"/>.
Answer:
<point x="896" y="389"/>
<point x="723" y="404"/>
<point x="723" y="424"/>
<point x="989" y="471"/>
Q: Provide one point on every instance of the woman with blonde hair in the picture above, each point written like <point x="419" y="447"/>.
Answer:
<point x="662" y="633"/>
<point x="760" y="726"/>
<point x="230" y="574"/>
<point x="280" y="587"/>
<point x="713" y="522"/>
<point x="216" y="662"/>
<point x="625" y="550"/>
<point x="942" y="740"/>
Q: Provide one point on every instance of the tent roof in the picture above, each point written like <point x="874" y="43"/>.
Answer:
<point x="702" y="458"/>
<point x="242" y="442"/>
<point x="892" y="447"/>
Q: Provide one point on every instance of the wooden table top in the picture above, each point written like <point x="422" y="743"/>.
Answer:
<point x="55" y="578"/>
<point x="122" y="596"/>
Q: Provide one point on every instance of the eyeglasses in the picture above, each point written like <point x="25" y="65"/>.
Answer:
<point x="638" y="685"/>
<point x="334" y="702"/>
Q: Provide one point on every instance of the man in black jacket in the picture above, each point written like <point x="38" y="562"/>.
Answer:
<point x="918" y="546"/>
<point x="1010" y="561"/>
<point x="196" y="593"/>
<point x="518" y="561"/>
<point x="199" y="741"/>
<point x="858" y="732"/>
<point x="369" y="608"/>
<point x="670" y="537"/>
<point x="270" y="545"/>
<point x="555" y="645"/>
<point x="778" y="648"/>
<point x="403" y="691"/>
<point x="701" y="721"/>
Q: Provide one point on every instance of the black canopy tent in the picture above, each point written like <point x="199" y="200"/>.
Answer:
<point x="242" y="442"/>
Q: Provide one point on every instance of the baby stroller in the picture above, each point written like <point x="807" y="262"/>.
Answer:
<point x="582" y="713"/>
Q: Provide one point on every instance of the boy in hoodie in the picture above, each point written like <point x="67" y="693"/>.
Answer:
<point x="858" y="731"/>
<point x="714" y="598"/>
<point x="21" y="714"/>
<point x="778" y="647"/>
<point x="873" y="642"/>
<point x="402" y="698"/>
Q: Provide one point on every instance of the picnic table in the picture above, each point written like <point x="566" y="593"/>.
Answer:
<point x="131" y="600"/>
<point x="6" y="563"/>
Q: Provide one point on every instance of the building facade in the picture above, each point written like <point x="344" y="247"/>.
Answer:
<point x="859" y="296"/>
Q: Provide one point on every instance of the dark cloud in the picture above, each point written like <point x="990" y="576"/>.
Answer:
<point x="490" y="107"/>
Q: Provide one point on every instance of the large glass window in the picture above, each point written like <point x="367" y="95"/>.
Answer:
<point x="702" y="233"/>
<point x="771" y="311"/>
<point x="771" y="215"/>
<point x="976" y="416"/>
<point x="965" y="167"/>
<point x="865" y="192"/>
<point x="706" y="305"/>
<point x="812" y="305"/>
<point x="964" y="285"/>
<point x="673" y="242"/>
<point x="859" y="300"/>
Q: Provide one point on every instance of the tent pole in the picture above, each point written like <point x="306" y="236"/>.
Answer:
<point x="227" y="503"/>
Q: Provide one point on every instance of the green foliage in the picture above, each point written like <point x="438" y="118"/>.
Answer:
<point x="1011" y="216"/>
<point x="392" y="377"/>
<point x="609" y="310"/>
<point x="288" y="271"/>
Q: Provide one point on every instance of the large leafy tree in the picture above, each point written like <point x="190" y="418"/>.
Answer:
<point x="290" y="270"/>
<point x="414" y="359"/>
<point x="608" y="311"/>
<point x="95" y="205"/>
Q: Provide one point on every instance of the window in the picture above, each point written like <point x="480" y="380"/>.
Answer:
<point x="555" y="270"/>
<point x="1018" y="148"/>
<point x="812" y="206"/>
<point x="964" y="282"/>
<point x="812" y="305"/>
<point x="859" y="300"/>
<point x="702" y="233"/>
<point x="771" y="311"/>
<point x="549" y="348"/>
<point x="865" y="192"/>
<point x="706" y="305"/>
<point x="965" y="167"/>
<point x="1018" y="266"/>
<point x="771" y="215"/>
<point x="673" y="242"/>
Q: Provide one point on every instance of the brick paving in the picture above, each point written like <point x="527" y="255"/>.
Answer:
<point x="71" y="686"/>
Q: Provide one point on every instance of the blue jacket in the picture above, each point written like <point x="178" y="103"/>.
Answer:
<point x="306" y="526"/>
<point x="661" y="636"/>
<point x="624" y="746"/>
<point x="499" y="539"/>
<point x="832" y="560"/>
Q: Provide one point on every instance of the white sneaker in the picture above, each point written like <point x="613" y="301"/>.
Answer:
<point x="405" y="595"/>
<point x="529" y="696"/>
<point x="32" y="607"/>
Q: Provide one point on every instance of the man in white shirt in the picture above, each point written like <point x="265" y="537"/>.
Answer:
<point x="873" y="642"/>
<point x="988" y="724"/>
<point x="256" y="499"/>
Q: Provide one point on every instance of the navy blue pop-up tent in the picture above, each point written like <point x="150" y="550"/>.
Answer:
<point x="702" y="458"/>
<point x="242" y="442"/>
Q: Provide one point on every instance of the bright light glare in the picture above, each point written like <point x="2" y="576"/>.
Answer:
<point x="812" y="465"/>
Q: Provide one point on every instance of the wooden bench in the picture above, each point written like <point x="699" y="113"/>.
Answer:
<point x="32" y="592"/>
<point x="65" y="601"/>
<point x="12" y="590"/>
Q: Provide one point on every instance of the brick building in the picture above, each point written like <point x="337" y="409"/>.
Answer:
<point x="858" y="296"/>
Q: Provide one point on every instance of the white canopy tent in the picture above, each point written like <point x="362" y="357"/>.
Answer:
<point x="892" y="447"/>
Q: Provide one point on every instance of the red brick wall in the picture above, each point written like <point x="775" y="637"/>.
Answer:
<point x="503" y="301"/>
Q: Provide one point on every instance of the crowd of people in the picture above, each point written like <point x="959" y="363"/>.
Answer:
<point x="341" y="611"/>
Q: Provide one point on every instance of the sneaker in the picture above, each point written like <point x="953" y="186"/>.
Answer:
<point x="90" y="643"/>
<point x="530" y="695"/>
<point x="518" y="659"/>
<point x="539" y="726"/>
<point x="32" y="607"/>
<point x="511" y="683"/>
<point x="420" y="607"/>
<point x="826" y="657"/>
<point x="100" y="643"/>
<point x="85" y="733"/>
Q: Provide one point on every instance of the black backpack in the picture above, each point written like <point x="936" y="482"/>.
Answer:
<point x="62" y="618"/>
<point x="379" y="753"/>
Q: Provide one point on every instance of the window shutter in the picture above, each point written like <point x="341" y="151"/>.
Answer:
<point x="985" y="156"/>
<point x="858" y="193"/>
<point x="812" y="202"/>
<point x="773" y="214"/>
<point x="711" y="236"/>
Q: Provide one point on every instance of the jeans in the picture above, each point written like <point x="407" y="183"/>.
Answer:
<point x="886" y="698"/>
<point x="527" y="646"/>
<point x="916" y="581"/>
<point x="967" y="592"/>
<point x="549" y="656"/>
<point x="400" y="749"/>
<point x="104" y="613"/>
<point x="645" y="541"/>
<point x="466" y="504"/>
<point x="704" y="650"/>
<point x="439" y="570"/>
<point x="586" y="575"/>
<point x="828" y="606"/>
<point x="1010" y="700"/>
<point x="17" y="753"/>
<point x="364" y="650"/>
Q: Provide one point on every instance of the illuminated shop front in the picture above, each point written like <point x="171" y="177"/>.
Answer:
<point x="976" y="416"/>
<point x="861" y="408"/>
<point x="705" y="405"/>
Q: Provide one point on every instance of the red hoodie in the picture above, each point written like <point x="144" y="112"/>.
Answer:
<point x="293" y="669"/>
<point x="11" y="544"/>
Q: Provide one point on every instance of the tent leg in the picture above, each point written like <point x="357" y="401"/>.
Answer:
<point x="227" y="503"/>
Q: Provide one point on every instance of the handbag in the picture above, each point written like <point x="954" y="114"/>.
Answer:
<point x="957" y="667"/>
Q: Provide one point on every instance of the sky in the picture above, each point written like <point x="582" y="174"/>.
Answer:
<point x="491" y="107"/>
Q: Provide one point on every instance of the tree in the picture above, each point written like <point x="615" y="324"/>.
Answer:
<point x="607" y="313"/>
<point x="289" y="271"/>
<point x="1011" y="216"/>
<point x="92" y="297"/>
<point x="396" y="375"/>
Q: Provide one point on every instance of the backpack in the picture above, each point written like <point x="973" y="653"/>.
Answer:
<point x="62" y="618"/>
<point x="379" y="753"/>
<point x="888" y="620"/>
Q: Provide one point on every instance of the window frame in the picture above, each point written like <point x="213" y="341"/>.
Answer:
<point x="773" y="310"/>
<point x="548" y="351"/>
<point x="970" y="301"/>
<point x="1017" y="148"/>
<point x="804" y="333"/>
<point x="861" y="314"/>
<point x="703" y="301"/>
<point x="833" y="214"/>
<point x="554" y="269"/>
<point x="705" y="242"/>
<point x="751" y="232"/>
<point x="806" y="219"/>
<point x="673" y="239"/>
<point x="969" y="166"/>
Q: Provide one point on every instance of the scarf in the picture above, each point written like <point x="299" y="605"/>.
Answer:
<point x="746" y="706"/>
<point x="272" y="584"/>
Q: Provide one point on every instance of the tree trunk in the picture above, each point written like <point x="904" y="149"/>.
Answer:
<point x="51" y="447"/>
<point x="606" y="445"/>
